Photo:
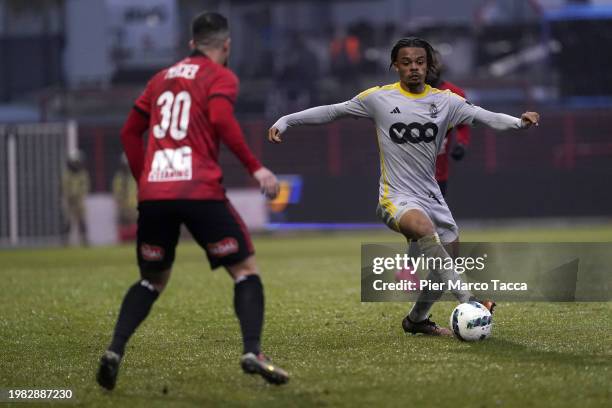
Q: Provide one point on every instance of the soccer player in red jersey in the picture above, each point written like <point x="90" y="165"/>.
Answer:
<point x="462" y="131"/>
<point x="189" y="110"/>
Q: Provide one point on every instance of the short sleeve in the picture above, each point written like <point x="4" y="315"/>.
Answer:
<point x="224" y="85"/>
<point x="460" y="110"/>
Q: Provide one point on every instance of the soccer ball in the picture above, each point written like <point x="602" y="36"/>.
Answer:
<point x="471" y="321"/>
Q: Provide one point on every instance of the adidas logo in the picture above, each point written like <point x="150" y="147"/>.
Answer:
<point x="396" y="110"/>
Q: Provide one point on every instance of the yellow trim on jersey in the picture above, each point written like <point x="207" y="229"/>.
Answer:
<point x="385" y="202"/>
<point x="397" y="85"/>
<point x="428" y="89"/>
<point x="389" y="86"/>
<point x="373" y="89"/>
<point x="368" y="91"/>
<point x="454" y="94"/>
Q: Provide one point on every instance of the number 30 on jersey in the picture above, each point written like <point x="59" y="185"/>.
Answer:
<point x="172" y="164"/>
<point x="174" y="110"/>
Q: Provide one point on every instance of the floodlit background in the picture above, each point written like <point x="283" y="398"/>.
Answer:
<point x="71" y="69"/>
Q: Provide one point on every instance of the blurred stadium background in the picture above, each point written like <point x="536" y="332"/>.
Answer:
<point x="71" y="69"/>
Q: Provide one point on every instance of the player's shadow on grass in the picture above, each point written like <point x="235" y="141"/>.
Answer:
<point x="504" y="349"/>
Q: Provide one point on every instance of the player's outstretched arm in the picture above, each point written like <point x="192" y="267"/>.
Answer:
<point x="313" y="116"/>
<point x="501" y="121"/>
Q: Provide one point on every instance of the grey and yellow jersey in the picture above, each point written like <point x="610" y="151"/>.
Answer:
<point x="410" y="130"/>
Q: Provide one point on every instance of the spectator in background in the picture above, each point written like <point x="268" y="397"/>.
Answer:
<point x="125" y="192"/>
<point x="75" y="186"/>
<point x="365" y="33"/>
<point x="298" y="74"/>
<point x="434" y="78"/>
<point x="345" y="53"/>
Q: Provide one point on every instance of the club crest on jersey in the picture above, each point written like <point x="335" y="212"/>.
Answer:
<point x="223" y="248"/>
<point x="433" y="110"/>
<point x="151" y="252"/>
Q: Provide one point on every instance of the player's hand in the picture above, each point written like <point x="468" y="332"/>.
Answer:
<point x="530" y="118"/>
<point x="267" y="182"/>
<point x="458" y="152"/>
<point x="274" y="135"/>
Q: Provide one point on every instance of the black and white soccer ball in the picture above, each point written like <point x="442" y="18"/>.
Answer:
<point x="471" y="321"/>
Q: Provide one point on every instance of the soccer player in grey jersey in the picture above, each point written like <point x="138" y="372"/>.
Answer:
<point x="411" y="121"/>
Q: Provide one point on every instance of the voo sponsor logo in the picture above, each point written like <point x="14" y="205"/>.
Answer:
<point x="414" y="132"/>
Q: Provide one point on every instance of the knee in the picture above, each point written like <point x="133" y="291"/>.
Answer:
<point x="243" y="269"/>
<point x="424" y="228"/>
<point x="416" y="225"/>
<point x="159" y="287"/>
<point x="158" y="280"/>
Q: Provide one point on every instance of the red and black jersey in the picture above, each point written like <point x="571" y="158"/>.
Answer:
<point x="188" y="109"/>
<point x="463" y="136"/>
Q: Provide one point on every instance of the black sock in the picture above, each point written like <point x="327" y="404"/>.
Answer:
<point x="249" y="306"/>
<point x="134" y="309"/>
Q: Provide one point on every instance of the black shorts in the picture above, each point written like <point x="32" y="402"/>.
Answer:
<point x="215" y="225"/>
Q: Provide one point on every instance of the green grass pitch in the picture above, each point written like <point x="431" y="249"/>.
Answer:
<point x="58" y="308"/>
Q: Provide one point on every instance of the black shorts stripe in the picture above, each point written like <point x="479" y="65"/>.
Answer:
<point x="241" y="223"/>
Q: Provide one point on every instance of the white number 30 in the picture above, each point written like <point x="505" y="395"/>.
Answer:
<point x="174" y="115"/>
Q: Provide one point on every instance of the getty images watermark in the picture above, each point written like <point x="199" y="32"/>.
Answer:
<point x="406" y="267"/>
<point x="503" y="271"/>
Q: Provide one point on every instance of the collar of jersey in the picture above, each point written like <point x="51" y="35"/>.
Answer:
<point x="411" y="95"/>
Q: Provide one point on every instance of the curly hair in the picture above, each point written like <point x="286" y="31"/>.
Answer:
<point x="415" y="42"/>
